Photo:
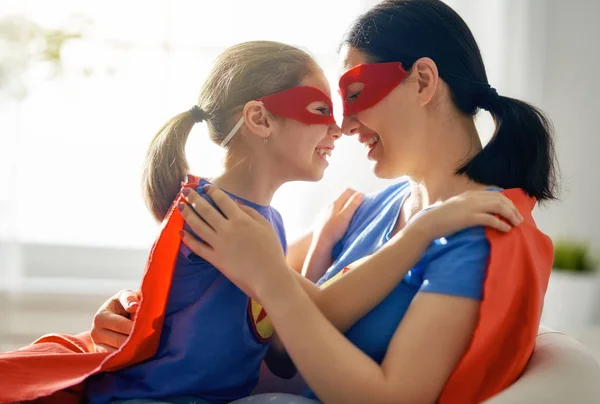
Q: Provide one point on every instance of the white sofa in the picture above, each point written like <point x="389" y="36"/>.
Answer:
<point x="561" y="371"/>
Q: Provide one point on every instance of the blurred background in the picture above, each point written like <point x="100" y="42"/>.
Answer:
<point x="84" y="85"/>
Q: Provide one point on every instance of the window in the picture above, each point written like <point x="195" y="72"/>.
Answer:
<point x="77" y="119"/>
<point x="76" y="142"/>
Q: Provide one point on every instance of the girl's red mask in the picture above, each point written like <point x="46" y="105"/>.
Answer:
<point x="378" y="79"/>
<point x="293" y="103"/>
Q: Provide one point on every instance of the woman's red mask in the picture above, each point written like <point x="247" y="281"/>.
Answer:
<point x="293" y="103"/>
<point x="378" y="80"/>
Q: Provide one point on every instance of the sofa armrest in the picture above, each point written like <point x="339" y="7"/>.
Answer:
<point x="561" y="370"/>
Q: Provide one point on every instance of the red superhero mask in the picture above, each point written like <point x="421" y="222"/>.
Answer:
<point x="378" y="79"/>
<point x="293" y="103"/>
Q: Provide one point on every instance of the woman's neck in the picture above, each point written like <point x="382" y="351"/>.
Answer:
<point x="252" y="182"/>
<point x="456" y="141"/>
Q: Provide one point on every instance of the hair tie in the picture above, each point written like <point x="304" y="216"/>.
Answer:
<point x="197" y="114"/>
<point x="487" y="98"/>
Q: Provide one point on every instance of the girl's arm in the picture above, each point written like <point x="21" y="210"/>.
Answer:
<point x="318" y="259"/>
<point x="330" y="226"/>
<point x="440" y="331"/>
<point x="311" y="254"/>
<point x="424" y="350"/>
<point x="297" y="252"/>
<point x="345" y="300"/>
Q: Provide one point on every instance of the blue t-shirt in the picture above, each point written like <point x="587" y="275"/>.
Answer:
<point x="213" y="340"/>
<point x="454" y="265"/>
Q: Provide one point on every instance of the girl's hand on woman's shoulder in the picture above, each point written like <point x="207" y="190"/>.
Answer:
<point x="469" y="209"/>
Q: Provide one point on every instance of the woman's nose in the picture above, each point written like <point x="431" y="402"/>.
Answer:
<point x="350" y="125"/>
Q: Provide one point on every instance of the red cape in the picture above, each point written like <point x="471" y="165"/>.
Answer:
<point x="53" y="368"/>
<point x="509" y="316"/>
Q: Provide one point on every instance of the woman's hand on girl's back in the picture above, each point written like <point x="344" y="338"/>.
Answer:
<point x="114" y="321"/>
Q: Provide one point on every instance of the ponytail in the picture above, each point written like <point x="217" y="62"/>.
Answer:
<point x="241" y="73"/>
<point x="165" y="165"/>
<point x="521" y="152"/>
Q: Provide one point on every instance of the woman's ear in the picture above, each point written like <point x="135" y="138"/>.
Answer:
<point x="427" y="76"/>
<point x="257" y="118"/>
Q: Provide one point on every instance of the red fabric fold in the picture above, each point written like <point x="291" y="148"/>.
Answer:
<point x="510" y="312"/>
<point x="52" y="369"/>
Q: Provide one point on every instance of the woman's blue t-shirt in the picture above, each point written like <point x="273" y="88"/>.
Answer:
<point x="454" y="265"/>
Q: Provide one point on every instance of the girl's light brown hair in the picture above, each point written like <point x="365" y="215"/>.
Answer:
<point x="242" y="73"/>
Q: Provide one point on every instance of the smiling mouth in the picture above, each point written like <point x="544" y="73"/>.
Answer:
<point x="324" y="153"/>
<point x="372" y="141"/>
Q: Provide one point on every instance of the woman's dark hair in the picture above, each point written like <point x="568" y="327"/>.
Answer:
<point x="521" y="152"/>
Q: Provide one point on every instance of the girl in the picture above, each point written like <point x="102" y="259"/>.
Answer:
<point x="269" y="105"/>
<point x="262" y="100"/>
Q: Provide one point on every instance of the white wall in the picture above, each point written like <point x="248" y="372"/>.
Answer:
<point x="546" y="53"/>
<point x="570" y="96"/>
<point x="539" y="50"/>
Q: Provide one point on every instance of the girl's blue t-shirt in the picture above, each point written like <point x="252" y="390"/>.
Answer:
<point x="213" y="341"/>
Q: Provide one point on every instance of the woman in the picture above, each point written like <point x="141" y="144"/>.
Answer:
<point x="415" y="78"/>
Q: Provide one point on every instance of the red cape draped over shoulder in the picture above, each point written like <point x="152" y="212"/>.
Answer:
<point x="53" y="368"/>
<point x="513" y="295"/>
